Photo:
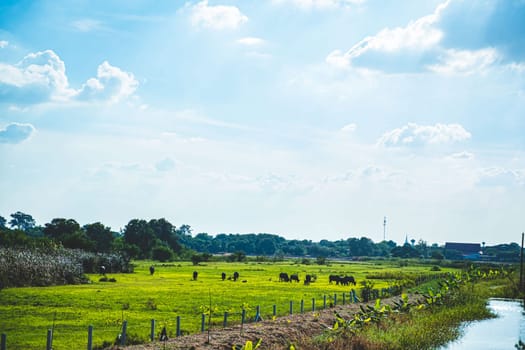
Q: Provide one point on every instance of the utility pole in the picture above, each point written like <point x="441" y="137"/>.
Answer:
<point x="521" y="262"/>
<point x="384" y="229"/>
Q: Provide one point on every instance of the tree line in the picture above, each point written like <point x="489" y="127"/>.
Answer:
<point x="159" y="239"/>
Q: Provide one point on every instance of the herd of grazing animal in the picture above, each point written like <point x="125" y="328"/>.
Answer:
<point x="342" y="280"/>
<point x="283" y="277"/>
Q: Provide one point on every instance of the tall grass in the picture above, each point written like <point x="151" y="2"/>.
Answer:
<point x="53" y="266"/>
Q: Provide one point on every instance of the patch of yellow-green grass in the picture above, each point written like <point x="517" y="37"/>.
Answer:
<point x="27" y="313"/>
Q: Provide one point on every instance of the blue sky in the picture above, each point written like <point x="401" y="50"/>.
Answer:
<point x="311" y="119"/>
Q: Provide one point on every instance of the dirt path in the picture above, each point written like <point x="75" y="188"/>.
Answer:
<point x="275" y="334"/>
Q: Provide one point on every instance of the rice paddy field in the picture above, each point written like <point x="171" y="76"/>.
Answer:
<point x="26" y="314"/>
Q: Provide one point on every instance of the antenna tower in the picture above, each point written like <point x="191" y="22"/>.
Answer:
<point x="384" y="229"/>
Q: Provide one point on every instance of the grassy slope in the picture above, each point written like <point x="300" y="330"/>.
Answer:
<point x="27" y="313"/>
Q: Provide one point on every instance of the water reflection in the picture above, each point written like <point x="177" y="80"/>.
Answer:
<point x="503" y="332"/>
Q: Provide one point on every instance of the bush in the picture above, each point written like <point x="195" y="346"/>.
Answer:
<point x="162" y="253"/>
<point x="22" y="267"/>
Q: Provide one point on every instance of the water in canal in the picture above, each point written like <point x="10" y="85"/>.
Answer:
<point x="503" y="332"/>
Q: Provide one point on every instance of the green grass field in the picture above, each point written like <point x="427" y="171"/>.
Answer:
<point x="27" y="313"/>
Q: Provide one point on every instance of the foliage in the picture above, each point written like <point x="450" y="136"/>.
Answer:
<point x="22" y="221"/>
<point x="162" y="253"/>
<point x="53" y="266"/>
<point x="39" y="268"/>
<point x="423" y="324"/>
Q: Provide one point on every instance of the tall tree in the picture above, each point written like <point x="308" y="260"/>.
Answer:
<point x="100" y="235"/>
<point x="165" y="232"/>
<point x="2" y="222"/>
<point x="68" y="232"/>
<point x="22" y="221"/>
<point x="140" y="234"/>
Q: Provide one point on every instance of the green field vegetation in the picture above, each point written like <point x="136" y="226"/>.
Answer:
<point x="27" y="313"/>
<point x="428" y="323"/>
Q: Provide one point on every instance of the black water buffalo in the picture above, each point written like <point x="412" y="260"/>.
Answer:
<point x="345" y="281"/>
<point x="151" y="270"/>
<point x="334" y="278"/>
<point x="195" y="275"/>
<point x="283" y="277"/>
<point x="223" y="276"/>
<point x="307" y="279"/>
<point x="235" y="276"/>
<point x="102" y="270"/>
<point x="294" y="277"/>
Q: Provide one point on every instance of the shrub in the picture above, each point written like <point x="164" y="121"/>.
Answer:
<point x="162" y="253"/>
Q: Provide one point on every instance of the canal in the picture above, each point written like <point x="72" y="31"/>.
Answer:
<point x="502" y="332"/>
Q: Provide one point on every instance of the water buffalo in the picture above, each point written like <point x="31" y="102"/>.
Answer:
<point x="307" y="279"/>
<point x="223" y="276"/>
<point x="151" y="270"/>
<point x="195" y="275"/>
<point x="334" y="278"/>
<point x="345" y="281"/>
<point x="283" y="277"/>
<point x="294" y="277"/>
<point x="102" y="270"/>
<point x="235" y="276"/>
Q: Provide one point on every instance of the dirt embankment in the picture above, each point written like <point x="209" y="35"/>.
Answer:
<point x="275" y="334"/>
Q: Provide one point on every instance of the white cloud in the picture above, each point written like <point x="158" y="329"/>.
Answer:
<point x="457" y="38"/>
<point x="38" y="77"/>
<point x="87" y="25"/>
<point x="497" y="176"/>
<point x="165" y="164"/>
<point x="251" y="41"/>
<point x="111" y="83"/>
<point x="3" y="44"/>
<point x="348" y="128"/>
<point x="416" y="135"/>
<point x="318" y="4"/>
<point x="464" y="61"/>
<point x="41" y="77"/>
<point x="418" y="35"/>
<point x="461" y="156"/>
<point x="216" y="17"/>
<point x="16" y="133"/>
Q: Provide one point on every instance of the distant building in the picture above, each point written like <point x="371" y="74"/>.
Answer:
<point x="468" y="251"/>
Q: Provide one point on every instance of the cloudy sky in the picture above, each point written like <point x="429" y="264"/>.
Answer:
<point x="311" y="119"/>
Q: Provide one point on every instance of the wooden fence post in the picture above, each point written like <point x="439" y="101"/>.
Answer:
<point x="178" y="326"/>
<point x="274" y="310"/>
<point x="90" y="338"/>
<point x="3" y="343"/>
<point x="313" y="304"/>
<point x="302" y="306"/>
<point x="152" y="330"/>
<point x="291" y="307"/>
<point x="203" y="322"/>
<point x="225" y="321"/>
<point x="123" y="334"/>
<point x="49" y="343"/>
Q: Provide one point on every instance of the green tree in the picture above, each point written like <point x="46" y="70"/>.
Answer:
<point x="140" y="234"/>
<point x="100" y="235"/>
<point x="162" y="253"/>
<point x="266" y="246"/>
<point x="2" y="222"/>
<point x="166" y="233"/>
<point x="22" y="221"/>
<point x="67" y="232"/>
